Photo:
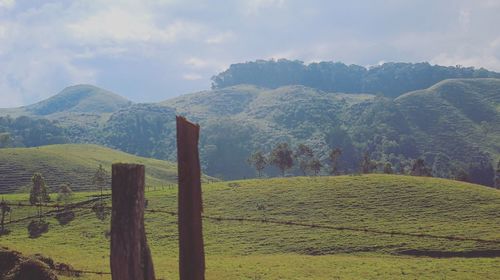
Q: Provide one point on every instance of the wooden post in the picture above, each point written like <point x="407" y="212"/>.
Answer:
<point x="130" y="254"/>
<point x="191" y="252"/>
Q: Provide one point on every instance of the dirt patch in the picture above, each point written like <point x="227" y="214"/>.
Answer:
<point x="15" y="266"/>
<point x="448" y="254"/>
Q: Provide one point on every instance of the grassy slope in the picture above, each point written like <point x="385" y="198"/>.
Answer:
<point x="73" y="164"/>
<point x="251" y="250"/>
<point x="455" y="114"/>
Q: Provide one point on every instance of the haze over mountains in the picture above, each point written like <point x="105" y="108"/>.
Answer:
<point x="397" y="112"/>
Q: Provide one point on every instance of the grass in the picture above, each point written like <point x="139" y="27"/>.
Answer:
<point x="72" y="163"/>
<point x="254" y="250"/>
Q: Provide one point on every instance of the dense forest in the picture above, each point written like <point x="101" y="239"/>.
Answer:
<point x="29" y="132"/>
<point x="388" y="79"/>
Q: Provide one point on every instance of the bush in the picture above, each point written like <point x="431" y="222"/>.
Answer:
<point x="37" y="228"/>
<point x="65" y="217"/>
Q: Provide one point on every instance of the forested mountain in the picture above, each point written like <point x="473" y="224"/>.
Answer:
<point x="388" y="79"/>
<point x="454" y="126"/>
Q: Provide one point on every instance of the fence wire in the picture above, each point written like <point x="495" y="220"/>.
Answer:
<point x="82" y="205"/>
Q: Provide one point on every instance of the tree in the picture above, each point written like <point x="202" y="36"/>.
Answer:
<point x="64" y="193"/>
<point x="316" y="166"/>
<point x="258" y="161"/>
<point x="38" y="193"/>
<point x="282" y="157"/>
<point x="497" y="175"/>
<point x="334" y="160"/>
<point x="367" y="165"/>
<point x="419" y="169"/>
<point x="388" y="168"/>
<point x="100" y="178"/>
<point x="304" y="154"/>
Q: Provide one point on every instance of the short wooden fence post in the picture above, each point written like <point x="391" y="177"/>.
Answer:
<point x="130" y="254"/>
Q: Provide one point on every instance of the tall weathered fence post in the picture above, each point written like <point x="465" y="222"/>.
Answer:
<point x="130" y="254"/>
<point x="191" y="252"/>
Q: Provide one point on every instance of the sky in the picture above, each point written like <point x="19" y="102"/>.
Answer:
<point x="152" y="50"/>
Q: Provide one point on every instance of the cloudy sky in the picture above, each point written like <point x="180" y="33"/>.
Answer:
<point x="151" y="50"/>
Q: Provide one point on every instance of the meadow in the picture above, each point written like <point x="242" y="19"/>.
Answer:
<point x="351" y="227"/>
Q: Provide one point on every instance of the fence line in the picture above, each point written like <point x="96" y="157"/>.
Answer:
<point x="277" y="222"/>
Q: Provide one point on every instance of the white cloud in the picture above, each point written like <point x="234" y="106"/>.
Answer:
<point x="117" y="25"/>
<point x="220" y="38"/>
<point x="196" y="62"/>
<point x="206" y="64"/>
<point x="7" y="4"/>
<point x="487" y="60"/>
<point x="192" y="77"/>
<point x="464" y="19"/>
<point x="37" y="75"/>
<point x="254" y="7"/>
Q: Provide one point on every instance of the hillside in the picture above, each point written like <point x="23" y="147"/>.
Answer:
<point x="363" y="227"/>
<point x="418" y="124"/>
<point x="74" y="164"/>
<point x="453" y="125"/>
<point x="74" y="99"/>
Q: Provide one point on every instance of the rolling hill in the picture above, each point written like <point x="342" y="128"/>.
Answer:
<point x="74" y="99"/>
<point x="74" y="164"/>
<point x="453" y="125"/>
<point x="350" y="227"/>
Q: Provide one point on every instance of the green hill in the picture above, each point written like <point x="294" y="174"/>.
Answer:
<point x="79" y="99"/>
<point x="75" y="164"/>
<point x="453" y="125"/>
<point x="350" y="227"/>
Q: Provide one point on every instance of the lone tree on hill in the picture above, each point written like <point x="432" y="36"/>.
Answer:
<point x="258" y="161"/>
<point x="497" y="175"/>
<point x="282" y="157"/>
<point x="64" y="193"/>
<point x="334" y="160"/>
<point x="304" y="155"/>
<point x="38" y="193"/>
<point x="100" y="178"/>
<point x="419" y="169"/>
<point x="316" y="166"/>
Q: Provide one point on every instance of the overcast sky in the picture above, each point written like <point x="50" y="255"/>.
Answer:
<point x="152" y="50"/>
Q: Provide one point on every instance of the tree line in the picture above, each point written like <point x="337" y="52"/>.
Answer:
<point x="284" y="157"/>
<point x="391" y="79"/>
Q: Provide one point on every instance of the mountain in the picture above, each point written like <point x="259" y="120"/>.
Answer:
<point x="353" y="227"/>
<point x="75" y="99"/>
<point x="452" y="125"/>
<point x="389" y="79"/>
<point x="74" y="164"/>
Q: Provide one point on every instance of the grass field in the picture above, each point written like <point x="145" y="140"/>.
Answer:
<point x="258" y="250"/>
<point x="72" y="163"/>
